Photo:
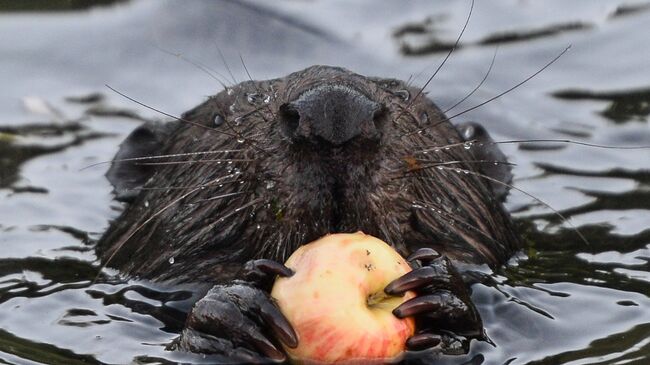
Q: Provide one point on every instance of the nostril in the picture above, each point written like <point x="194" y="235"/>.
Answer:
<point x="379" y="118"/>
<point x="289" y="119"/>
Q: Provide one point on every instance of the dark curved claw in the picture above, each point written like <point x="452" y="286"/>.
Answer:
<point x="418" y="278"/>
<point x="271" y="267"/>
<point x="262" y="271"/>
<point x="445" y="316"/>
<point x="424" y="254"/>
<point x="265" y="346"/>
<point x="423" y="341"/>
<point x="281" y="327"/>
<point x="419" y="305"/>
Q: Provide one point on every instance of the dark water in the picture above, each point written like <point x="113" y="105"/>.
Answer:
<point x="561" y="301"/>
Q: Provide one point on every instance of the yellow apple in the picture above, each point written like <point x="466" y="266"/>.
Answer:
<point x="336" y="302"/>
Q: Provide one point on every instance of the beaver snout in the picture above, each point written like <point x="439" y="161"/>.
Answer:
<point x="331" y="114"/>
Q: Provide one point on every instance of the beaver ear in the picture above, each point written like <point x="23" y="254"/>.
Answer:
<point x="127" y="176"/>
<point x="486" y="150"/>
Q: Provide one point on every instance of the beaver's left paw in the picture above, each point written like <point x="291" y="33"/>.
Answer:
<point x="445" y="315"/>
<point x="240" y="320"/>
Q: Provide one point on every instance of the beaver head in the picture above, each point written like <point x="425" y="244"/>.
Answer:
<point x="266" y="166"/>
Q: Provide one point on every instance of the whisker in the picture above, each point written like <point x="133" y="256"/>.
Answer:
<point x="477" y="86"/>
<point x="256" y="87"/>
<point x="234" y="211"/>
<point x="225" y="63"/>
<point x="182" y="187"/>
<point x="236" y="134"/>
<point x="206" y="69"/>
<point x="447" y="146"/>
<point x="438" y="209"/>
<point x="568" y="141"/>
<point x="221" y="196"/>
<point x="167" y="114"/>
<point x="470" y="143"/>
<point x="446" y="119"/>
<point x="140" y="226"/>
<point x="556" y="212"/>
<point x="191" y="162"/>
<point x="453" y="48"/>
<point x="445" y="163"/>
<point x="161" y="156"/>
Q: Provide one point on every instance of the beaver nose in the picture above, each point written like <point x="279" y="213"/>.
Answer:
<point x="334" y="114"/>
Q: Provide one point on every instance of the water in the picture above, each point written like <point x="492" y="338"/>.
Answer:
<point x="560" y="301"/>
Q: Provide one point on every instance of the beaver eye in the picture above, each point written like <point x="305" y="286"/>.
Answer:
<point x="218" y="120"/>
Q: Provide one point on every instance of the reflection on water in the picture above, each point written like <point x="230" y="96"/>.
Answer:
<point x="623" y="106"/>
<point x="561" y="301"/>
<point x="53" y="5"/>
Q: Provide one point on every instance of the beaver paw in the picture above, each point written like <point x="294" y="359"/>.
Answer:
<point x="234" y="320"/>
<point x="445" y="315"/>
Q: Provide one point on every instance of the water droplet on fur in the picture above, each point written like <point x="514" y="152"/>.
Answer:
<point x="240" y="140"/>
<point x="270" y="184"/>
<point x="403" y="94"/>
<point x="252" y="98"/>
<point x="238" y="121"/>
<point x="232" y="108"/>
<point x="496" y="163"/>
<point x="425" y="152"/>
<point x="258" y="226"/>
<point x="440" y="168"/>
<point x="424" y="118"/>
<point x="467" y="145"/>
<point x="146" y="204"/>
<point x="436" y="150"/>
<point x="171" y="260"/>
<point x="420" y="132"/>
<point x="218" y="120"/>
<point x="447" y="148"/>
<point x="457" y="170"/>
<point x="229" y="163"/>
<point x="256" y="98"/>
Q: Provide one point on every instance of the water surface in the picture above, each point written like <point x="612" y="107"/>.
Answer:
<point x="560" y="301"/>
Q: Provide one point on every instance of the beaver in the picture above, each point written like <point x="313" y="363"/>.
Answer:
<point x="225" y="193"/>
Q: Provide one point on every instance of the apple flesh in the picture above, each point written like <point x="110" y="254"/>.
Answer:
<point x="336" y="302"/>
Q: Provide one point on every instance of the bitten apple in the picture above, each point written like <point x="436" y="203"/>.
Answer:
<point x="336" y="301"/>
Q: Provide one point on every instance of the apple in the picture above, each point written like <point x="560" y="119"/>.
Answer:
<point x="336" y="302"/>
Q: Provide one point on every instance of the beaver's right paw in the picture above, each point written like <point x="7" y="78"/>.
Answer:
<point x="446" y="318"/>
<point x="239" y="321"/>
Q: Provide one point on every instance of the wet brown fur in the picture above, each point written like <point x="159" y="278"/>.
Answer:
<point x="288" y="194"/>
